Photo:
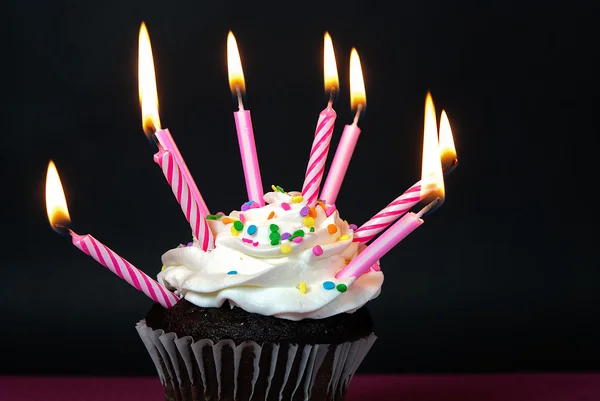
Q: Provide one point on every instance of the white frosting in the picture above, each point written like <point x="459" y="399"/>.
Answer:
<point x="266" y="280"/>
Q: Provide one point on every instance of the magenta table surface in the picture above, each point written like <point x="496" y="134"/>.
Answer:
<point x="484" y="387"/>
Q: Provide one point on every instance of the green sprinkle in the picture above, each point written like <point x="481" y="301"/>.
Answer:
<point x="298" y="233"/>
<point x="219" y="215"/>
<point x="211" y="217"/>
<point x="341" y="287"/>
<point x="279" y="189"/>
<point x="238" y="225"/>
<point x="275" y="241"/>
<point x="312" y="229"/>
<point x="274" y="236"/>
<point x="274" y="227"/>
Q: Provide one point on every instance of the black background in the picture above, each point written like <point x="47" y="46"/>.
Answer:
<point x="502" y="278"/>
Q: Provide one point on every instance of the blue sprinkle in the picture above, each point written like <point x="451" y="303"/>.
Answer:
<point x="235" y="272"/>
<point x="328" y="285"/>
<point x="251" y="229"/>
<point x="250" y="202"/>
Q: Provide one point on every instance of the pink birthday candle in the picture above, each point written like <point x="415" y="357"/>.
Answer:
<point x="58" y="216"/>
<point x="243" y="125"/>
<point x="150" y="117"/>
<point x="350" y="135"/>
<point x="324" y="130"/>
<point x="166" y="160"/>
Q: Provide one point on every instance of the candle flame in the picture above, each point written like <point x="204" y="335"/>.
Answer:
<point x="56" y="203"/>
<point x="432" y="177"/>
<point x="447" y="148"/>
<point x="147" y="84"/>
<point x="358" y="95"/>
<point x="234" y="67"/>
<point x="332" y="83"/>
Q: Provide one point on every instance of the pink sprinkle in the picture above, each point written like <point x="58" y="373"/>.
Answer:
<point x="352" y="226"/>
<point x="329" y="210"/>
<point x="285" y="206"/>
<point x="255" y="243"/>
<point x="317" y="250"/>
<point x="242" y="218"/>
<point x="297" y="239"/>
<point x="248" y="240"/>
<point x="254" y="205"/>
<point x="376" y="267"/>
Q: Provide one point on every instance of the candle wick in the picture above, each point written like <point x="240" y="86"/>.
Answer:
<point x="433" y="205"/>
<point x="357" y="115"/>
<point x="239" y="97"/>
<point x="62" y="229"/>
<point x="332" y="92"/>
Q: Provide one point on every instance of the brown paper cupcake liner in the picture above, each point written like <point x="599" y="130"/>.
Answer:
<point x="205" y="370"/>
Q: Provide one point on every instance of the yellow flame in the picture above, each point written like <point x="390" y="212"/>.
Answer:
<point x="147" y="83"/>
<point x="330" y="72"/>
<point x="234" y="66"/>
<point x="432" y="177"/>
<point x="358" y="95"/>
<point x="56" y="203"/>
<point x="447" y="148"/>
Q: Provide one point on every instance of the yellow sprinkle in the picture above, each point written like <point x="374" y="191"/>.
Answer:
<point x="274" y="188"/>
<point x="285" y="248"/>
<point x="302" y="287"/>
<point x="162" y="268"/>
<point x="344" y="237"/>
<point x="309" y="221"/>
<point x="234" y="232"/>
<point x="297" y="199"/>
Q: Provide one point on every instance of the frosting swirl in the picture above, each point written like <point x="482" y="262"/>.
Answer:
<point x="276" y="260"/>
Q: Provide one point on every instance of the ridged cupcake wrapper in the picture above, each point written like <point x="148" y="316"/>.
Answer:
<point x="206" y="370"/>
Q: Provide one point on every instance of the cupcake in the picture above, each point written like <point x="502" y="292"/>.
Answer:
<point x="262" y="315"/>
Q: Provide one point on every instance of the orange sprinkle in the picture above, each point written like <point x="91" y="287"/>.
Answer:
<point x="226" y="220"/>
<point x="312" y="212"/>
<point x="332" y="229"/>
<point x="271" y="215"/>
<point x="321" y="204"/>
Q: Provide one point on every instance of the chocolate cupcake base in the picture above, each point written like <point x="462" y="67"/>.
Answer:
<point x="225" y="370"/>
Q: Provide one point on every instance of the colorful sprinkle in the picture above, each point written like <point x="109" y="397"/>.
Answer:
<point x="312" y="212"/>
<point x="190" y="243"/>
<point x="376" y="267"/>
<point x="298" y="233"/>
<point x="328" y="285"/>
<point x="162" y="268"/>
<point x="332" y="229"/>
<point x="341" y="287"/>
<point x="279" y="189"/>
<point x="274" y="235"/>
<point x="317" y="250"/>
<point x="286" y="248"/>
<point x="285" y="235"/>
<point x="274" y="227"/>
<point x="274" y="188"/>
<point x="302" y="287"/>
<point x="297" y="199"/>
<point x="329" y="211"/>
<point x="304" y="211"/>
<point x="285" y="206"/>
<point x="232" y="272"/>
<point x="251" y="230"/>
<point x="211" y="217"/>
<point x="352" y="226"/>
<point x="297" y="240"/>
<point x="344" y="237"/>
<point x="242" y="218"/>
<point x="180" y="246"/>
<point x="308" y="221"/>
<point x="254" y="205"/>
<point x="312" y="230"/>
<point x="255" y="243"/>
<point x="238" y="225"/>
<point x="245" y="207"/>
<point x="226" y="220"/>
<point x="234" y="232"/>
<point x="271" y="215"/>
<point x="320" y="203"/>
<point x="247" y="240"/>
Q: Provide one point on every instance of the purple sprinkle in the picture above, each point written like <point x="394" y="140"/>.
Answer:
<point x="285" y="206"/>
<point x="190" y="243"/>
<point x="352" y="226"/>
<point x="304" y="211"/>
<point x="248" y="240"/>
<point x="297" y="239"/>
<point x="245" y="207"/>
<point x="285" y="236"/>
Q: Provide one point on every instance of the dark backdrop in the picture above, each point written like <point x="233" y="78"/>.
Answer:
<point x="501" y="278"/>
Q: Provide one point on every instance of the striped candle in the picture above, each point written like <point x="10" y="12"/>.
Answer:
<point x="318" y="155"/>
<point x="389" y="214"/>
<point x="125" y="270"/>
<point x="165" y="159"/>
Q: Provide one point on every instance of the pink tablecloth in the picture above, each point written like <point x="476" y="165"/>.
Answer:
<point x="485" y="387"/>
